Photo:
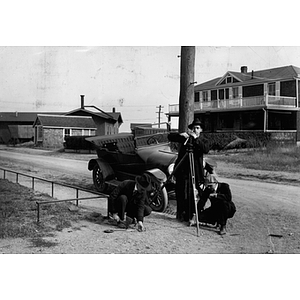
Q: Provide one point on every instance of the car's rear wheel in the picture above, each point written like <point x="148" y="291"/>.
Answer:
<point x="159" y="200"/>
<point x="98" y="179"/>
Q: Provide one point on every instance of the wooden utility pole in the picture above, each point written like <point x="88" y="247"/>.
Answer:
<point x="186" y="95"/>
<point x="159" y="112"/>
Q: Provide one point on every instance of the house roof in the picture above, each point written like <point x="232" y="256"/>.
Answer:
<point x="253" y="77"/>
<point x="117" y="116"/>
<point x="22" y="117"/>
<point x="114" y="116"/>
<point x="30" y="117"/>
<point x="65" y="121"/>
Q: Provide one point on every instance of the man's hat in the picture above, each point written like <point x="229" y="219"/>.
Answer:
<point x="144" y="181"/>
<point x="195" y="122"/>
<point x="210" y="165"/>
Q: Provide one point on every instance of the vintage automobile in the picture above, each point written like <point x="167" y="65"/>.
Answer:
<point x="124" y="156"/>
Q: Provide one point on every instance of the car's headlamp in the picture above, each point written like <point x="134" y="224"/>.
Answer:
<point x="171" y="168"/>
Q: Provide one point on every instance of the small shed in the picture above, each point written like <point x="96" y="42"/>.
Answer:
<point x="16" y="127"/>
<point x="50" y="130"/>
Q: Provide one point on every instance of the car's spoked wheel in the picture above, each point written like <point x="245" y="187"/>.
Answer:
<point x="159" y="200"/>
<point x="98" y="179"/>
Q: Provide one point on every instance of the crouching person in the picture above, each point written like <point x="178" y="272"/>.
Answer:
<point x="130" y="199"/>
<point x="215" y="205"/>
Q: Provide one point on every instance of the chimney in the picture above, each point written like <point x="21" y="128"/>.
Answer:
<point x="114" y="110"/>
<point x="244" y="69"/>
<point x="82" y="101"/>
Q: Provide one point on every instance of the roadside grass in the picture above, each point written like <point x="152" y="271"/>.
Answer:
<point x="18" y="213"/>
<point x="271" y="158"/>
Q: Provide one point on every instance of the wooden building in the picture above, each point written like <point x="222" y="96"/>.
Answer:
<point x="106" y="122"/>
<point x="50" y="130"/>
<point x="264" y="100"/>
<point x="17" y="127"/>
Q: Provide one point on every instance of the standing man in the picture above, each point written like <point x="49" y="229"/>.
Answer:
<point x="130" y="197"/>
<point x="189" y="141"/>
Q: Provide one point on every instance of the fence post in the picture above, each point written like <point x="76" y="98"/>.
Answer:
<point x="38" y="212"/>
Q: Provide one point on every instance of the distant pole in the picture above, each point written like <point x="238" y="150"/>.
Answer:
<point x="159" y="112"/>
<point x="186" y="95"/>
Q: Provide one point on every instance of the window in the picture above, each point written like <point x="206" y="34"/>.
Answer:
<point x="67" y="132"/>
<point x="288" y="88"/>
<point x="221" y="94"/>
<point x="271" y="88"/>
<point x="226" y="93"/>
<point x="85" y="132"/>
<point x="226" y="121"/>
<point x="253" y="90"/>
<point x="229" y="79"/>
<point x="88" y="132"/>
<point x="214" y="95"/>
<point x="235" y="92"/>
<point x="205" y="95"/>
<point x="197" y="96"/>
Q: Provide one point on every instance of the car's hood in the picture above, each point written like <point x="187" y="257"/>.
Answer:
<point x="160" y="154"/>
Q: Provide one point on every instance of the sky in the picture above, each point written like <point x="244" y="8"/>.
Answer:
<point x="124" y="55"/>
<point x="135" y="80"/>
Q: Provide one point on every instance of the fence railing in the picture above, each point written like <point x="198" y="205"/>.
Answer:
<point x="53" y="184"/>
<point x="266" y="100"/>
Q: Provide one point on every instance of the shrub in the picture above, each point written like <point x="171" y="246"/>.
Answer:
<point x="218" y="140"/>
<point x="78" y="143"/>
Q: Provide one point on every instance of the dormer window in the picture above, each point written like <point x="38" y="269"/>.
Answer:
<point x="229" y="79"/>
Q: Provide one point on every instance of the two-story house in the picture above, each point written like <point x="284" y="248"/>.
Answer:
<point x="265" y="100"/>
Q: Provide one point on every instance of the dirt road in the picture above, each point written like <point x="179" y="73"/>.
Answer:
<point x="267" y="218"/>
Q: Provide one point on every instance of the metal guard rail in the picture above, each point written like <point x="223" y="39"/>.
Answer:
<point x="38" y="203"/>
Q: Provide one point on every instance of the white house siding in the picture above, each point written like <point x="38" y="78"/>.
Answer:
<point x="76" y="132"/>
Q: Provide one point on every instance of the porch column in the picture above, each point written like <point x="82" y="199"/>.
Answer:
<point x="277" y="89"/>
<point x="297" y="92"/>
<point x="241" y="95"/>
<point x="265" y="120"/>
<point x="266" y="93"/>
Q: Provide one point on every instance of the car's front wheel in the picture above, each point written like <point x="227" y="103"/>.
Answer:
<point x="159" y="200"/>
<point x="98" y="179"/>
